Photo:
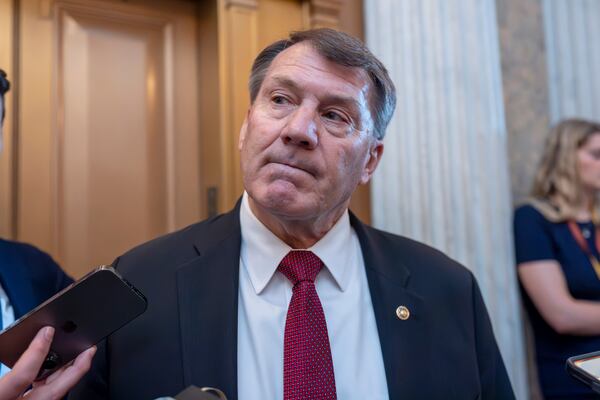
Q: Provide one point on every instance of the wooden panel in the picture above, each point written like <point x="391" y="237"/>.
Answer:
<point x="36" y="122"/>
<point x="277" y="18"/>
<point x="6" y="148"/>
<point x="110" y="150"/>
<point x="112" y="163"/>
<point x="212" y="156"/>
<point x="241" y="23"/>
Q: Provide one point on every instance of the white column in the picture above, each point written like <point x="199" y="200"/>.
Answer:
<point x="571" y="31"/>
<point x="444" y="175"/>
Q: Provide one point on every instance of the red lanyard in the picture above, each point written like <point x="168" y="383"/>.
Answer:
<point x="583" y="244"/>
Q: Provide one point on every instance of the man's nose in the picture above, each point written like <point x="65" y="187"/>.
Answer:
<point x="301" y="128"/>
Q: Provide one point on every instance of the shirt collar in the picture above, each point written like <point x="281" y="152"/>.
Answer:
<point x="262" y="250"/>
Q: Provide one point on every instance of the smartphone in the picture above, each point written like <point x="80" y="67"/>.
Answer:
<point x="82" y="315"/>
<point x="586" y="368"/>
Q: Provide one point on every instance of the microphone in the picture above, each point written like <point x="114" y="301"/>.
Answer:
<point x="196" y="393"/>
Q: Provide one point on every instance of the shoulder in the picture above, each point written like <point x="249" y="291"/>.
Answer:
<point x="34" y="262"/>
<point x="423" y="262"/>
<point x="426" y="262"/>
<point x="18" y="252"/>
<point x="528" y="212"/>
<point x="13" y="248"/>
<point x="529" y="219"/>
<point x="410" y="247"/>
<point x="181" y="246"/>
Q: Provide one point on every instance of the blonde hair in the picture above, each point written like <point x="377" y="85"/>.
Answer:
<point x="557" y="190"/>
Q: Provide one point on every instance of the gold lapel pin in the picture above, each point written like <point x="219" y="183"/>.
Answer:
<point x="402" y="313"/>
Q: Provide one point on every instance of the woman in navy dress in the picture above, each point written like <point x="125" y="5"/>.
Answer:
<point x="557" y="241"/>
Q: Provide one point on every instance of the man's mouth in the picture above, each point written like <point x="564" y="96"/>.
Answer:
<point x="295" y="166"/>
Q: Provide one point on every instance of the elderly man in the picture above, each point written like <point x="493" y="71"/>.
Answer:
<point x="289" y="296"/>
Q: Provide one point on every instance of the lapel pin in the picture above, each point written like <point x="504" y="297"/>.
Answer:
<point x="402" y="313"/>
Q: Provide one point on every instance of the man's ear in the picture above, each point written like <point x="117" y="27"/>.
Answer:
<point x="243" y="131"/>
<point x="375" y="153"/>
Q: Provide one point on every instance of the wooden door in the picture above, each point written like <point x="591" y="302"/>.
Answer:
<point x="108" y="153"/>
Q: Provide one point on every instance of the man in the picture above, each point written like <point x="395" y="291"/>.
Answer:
<point x="28" y="277"/>
<point x="289" y="296"/>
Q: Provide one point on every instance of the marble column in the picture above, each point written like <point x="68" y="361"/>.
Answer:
<point x="444" y="175"/>
<point x="525" y="85"/>
<point x="573" y="57"/>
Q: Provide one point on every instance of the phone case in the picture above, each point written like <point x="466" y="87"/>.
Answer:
<point x="580" y="374"/>
<point x="82" y="314"/>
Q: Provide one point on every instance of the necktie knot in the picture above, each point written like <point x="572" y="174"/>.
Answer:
<point x="300" y="266"/>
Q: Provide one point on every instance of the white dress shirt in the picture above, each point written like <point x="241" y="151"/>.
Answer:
<point x="8" y="317"/>
<point x="264" y="296"/>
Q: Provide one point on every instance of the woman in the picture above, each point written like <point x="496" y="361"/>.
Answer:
<point x="557" y="241"/>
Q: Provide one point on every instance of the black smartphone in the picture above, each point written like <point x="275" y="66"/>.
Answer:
<point x="82" y="315"/>
<point x="586" y="368"/>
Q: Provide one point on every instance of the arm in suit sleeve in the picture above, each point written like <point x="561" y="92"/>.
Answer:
<point x="494" y="380"/>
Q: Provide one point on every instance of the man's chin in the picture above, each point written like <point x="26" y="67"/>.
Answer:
<point x="284" y="203"/>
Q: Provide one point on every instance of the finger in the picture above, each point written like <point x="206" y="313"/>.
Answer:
<point x="27" y="367"/>
<point x="53" y="376"/>
<point x="68" y="377"/>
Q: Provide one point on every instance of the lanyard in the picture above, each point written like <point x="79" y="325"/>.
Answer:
<point x="583" y="244"/>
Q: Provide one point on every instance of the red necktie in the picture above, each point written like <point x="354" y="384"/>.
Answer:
<point x="307" y="364"/>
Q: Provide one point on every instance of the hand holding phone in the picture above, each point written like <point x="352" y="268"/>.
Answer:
<point x="14" y="384"/>
<point x="82" y="315"/>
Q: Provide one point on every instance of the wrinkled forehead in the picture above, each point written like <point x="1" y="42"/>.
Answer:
<point x="301" y="65"/>
<point x="303" y="56"/>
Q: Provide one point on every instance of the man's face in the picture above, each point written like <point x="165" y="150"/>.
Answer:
<point x="307" y="140"/>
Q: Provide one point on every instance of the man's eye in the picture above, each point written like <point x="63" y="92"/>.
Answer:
<point x="279" y="100"/>
<point x="334" y="116"/>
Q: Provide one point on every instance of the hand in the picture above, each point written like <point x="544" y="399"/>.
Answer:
<point x="14" y="384"/>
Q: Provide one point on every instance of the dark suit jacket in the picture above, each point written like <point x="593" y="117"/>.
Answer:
<point x="29" y="276"/>
<point x="445" y="350"/>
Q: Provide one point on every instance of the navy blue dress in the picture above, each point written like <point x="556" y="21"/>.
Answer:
<point x="536" y="238"/>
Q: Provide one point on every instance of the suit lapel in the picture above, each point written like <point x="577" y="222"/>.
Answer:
<point x="404" y="343"/>
<point x="208" y="301"/>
